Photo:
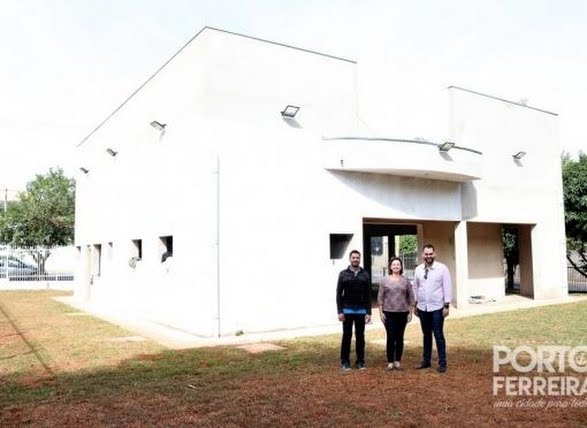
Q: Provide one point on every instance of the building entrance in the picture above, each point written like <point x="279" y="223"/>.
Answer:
<point x="380" y="243"/>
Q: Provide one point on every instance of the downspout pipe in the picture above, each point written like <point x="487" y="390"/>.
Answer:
<point x="218" y="245"/>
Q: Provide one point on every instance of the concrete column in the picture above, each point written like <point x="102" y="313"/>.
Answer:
<point x="460" y="277"/>
<point x="420" y="233"/>
<point x="526" y="266"/>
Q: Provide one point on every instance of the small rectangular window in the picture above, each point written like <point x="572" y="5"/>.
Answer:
<point x="339" y="243"/>
<point x="110" y="251"/>
<point x="138" y="248"/>
<point x="166" y="247"/>
<point x="96" y="266"/>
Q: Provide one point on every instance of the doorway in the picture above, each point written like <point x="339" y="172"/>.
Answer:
<point x="380" y="243"/>
<point x="517" y="251"/>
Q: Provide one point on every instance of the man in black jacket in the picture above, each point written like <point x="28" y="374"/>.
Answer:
<point x="353" y="302"/>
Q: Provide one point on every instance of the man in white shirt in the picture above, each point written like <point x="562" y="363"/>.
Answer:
<point x="433" y="292"/>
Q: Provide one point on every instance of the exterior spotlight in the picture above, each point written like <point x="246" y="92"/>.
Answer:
<point x="84" y="170"/>
<point x="111" y="152"/>
<point x="290" y="112"/>
<point x="445" y="147"/>
<point x="519" y="155"/>
<point x="158" y="126"/>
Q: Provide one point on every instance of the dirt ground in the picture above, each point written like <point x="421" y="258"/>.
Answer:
<point x="80" y="373"/>
<point x="316" y="395"/>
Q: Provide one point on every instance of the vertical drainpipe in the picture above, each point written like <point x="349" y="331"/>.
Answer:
<point x="356" y="99"/>
<point x="218" y="243"/>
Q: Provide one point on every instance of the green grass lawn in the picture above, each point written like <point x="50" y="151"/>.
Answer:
<point x="61" y="368"/>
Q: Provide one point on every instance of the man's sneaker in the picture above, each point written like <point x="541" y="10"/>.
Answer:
<point x="345" y="367"/>
<point x="361" y="366"/>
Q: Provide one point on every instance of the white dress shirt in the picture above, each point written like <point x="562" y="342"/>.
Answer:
<point x="434" y="291"/>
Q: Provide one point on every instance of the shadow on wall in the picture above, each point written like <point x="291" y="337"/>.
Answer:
<point x="409" y="195"/>
<point x="292" y="122"/>
<point x="469" y="200"/>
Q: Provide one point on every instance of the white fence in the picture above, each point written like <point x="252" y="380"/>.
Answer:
<point x="37" y="267"/>
<point x="410" y="261"/>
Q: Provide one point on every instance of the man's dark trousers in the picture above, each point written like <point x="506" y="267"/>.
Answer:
<point x="433" y="323"/>
<point x="347" y="334"/>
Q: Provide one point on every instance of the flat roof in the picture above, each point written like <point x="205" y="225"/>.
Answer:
<point x="501" y="99"/>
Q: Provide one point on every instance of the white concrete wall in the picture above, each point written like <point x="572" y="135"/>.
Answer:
<point x="407" y="159"/>
<point x="228" y="163"/>
<point x="524" y="192"/>
<point x="486" y="276"/>
<point x="221" y="98"/>
<point x="279" y="206"/>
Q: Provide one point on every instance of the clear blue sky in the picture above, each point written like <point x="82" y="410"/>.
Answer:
<point x="68" y="63"/>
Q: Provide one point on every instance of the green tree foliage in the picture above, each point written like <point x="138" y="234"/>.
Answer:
<point x="43" y="215"/>
<point x="575" y="197"/>
<point x="511" y="252"/>
<point x="408" y="244"/>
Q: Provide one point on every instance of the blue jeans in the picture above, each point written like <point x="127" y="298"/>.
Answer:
<point x="432" y="323"/>
<point x="347" y="334"/>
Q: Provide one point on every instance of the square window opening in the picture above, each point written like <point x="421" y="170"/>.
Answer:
<point x="339" y="243"/>
<point x="166" y="247"/>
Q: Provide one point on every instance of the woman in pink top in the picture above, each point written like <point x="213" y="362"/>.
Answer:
<point x="396" y="304"/>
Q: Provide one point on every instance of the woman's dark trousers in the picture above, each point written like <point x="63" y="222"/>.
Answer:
<point x="395" y="326"/>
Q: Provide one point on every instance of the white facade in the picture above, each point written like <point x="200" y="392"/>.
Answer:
<point x="251" y="199"/>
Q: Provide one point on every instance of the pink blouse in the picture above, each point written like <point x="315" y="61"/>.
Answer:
<point x="395" y="295"/>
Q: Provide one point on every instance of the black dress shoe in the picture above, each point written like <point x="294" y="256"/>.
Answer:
<point x="424" y="366"/>
<point x="441" y="369"/>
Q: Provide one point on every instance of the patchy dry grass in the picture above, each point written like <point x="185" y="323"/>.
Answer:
<point x="39" y="337"/>
<point x="60" y="371"/>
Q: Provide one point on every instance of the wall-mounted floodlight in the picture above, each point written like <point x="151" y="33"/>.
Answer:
<point x="290" y="112"/>
<point x="158" y="126"/>
<point x="519" y="155"/>
<point x="445" y="147"/>
<point x="111" y="152"/>
<point x="84" y="170"/>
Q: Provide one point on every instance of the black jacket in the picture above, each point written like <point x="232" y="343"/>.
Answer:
<point x="353" y="291"/>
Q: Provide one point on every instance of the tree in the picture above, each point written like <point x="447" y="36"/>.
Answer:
<point x="575" y="198"/>
<point x="511" y="252"/>
<point x="43" y="215"/>
<point x="408" y="244"/>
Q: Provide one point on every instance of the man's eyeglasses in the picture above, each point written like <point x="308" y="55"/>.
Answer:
<point x="425" y="273"/>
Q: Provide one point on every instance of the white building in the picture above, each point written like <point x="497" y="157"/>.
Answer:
<point x="261" y="211"/>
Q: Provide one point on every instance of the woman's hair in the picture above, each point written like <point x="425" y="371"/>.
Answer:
<point x="401" y="271"/>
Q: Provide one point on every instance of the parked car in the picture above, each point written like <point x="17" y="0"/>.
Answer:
<point x="16" y="268"/>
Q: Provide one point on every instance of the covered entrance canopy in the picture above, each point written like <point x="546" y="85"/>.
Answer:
<point x="473" y="252"/>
